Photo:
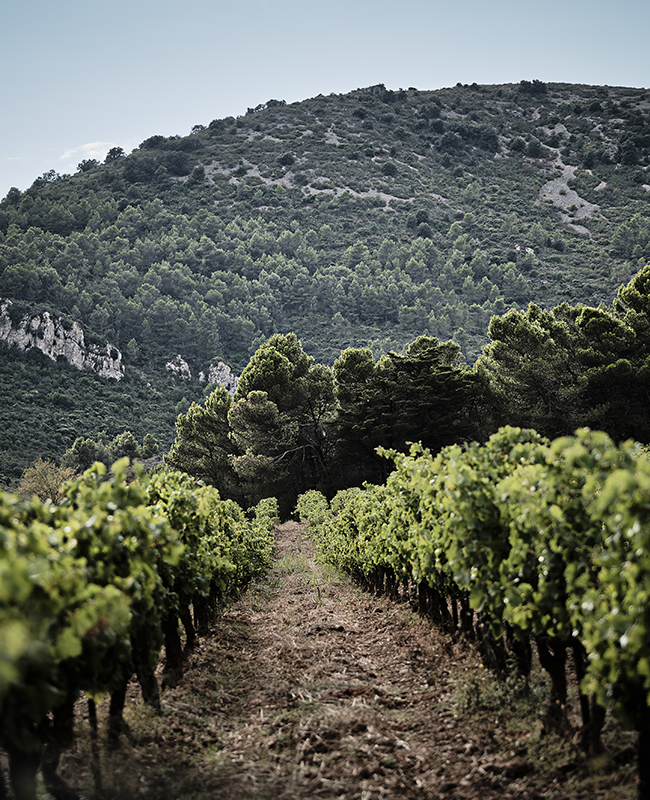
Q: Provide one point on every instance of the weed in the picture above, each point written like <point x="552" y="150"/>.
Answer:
<point x="292" y="563"/>
<point x="334" y="577"/>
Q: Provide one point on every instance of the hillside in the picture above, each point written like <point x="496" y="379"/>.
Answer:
<point x="360" y="219"/>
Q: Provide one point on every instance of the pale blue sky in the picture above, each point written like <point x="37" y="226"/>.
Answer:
<point x="85" y="75"/>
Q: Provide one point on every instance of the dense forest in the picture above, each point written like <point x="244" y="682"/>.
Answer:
<point x="363" y="220"/>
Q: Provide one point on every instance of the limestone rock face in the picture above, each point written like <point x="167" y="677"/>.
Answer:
<point x="221" y="374"/>
<point x="179" y="367"/>
<point x="54" y="338"/>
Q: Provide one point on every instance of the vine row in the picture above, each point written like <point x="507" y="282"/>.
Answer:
<point x="515" y="541"/>
<point x="90" y="591"/>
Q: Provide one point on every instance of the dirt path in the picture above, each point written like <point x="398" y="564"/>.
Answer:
<point x="309" y="688"/>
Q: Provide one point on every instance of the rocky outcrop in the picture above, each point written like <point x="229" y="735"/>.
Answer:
<point x="219" y="373"/>
<point x="222" y="375"/>
<point x="179" y="367"/>
<point x="55" y="338"/>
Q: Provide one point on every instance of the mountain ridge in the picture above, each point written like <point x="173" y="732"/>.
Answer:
<point x="364" y="219"/>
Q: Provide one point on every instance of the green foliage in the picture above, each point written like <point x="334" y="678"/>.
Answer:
<point x="223" y="548"/>
<point x="615" y="607"/>
<point x="337" y="539"/>
<point x="208" y="245"/>
<point x="126" y="545"/>
<point x="190" y="511"/>
<point x="48" y="613"/>
<point x="547" y="538"/>
<point x="85" y="586"/>
<point x="149" y="447"/>
<point x="37" y="427"/>
<point x="557" y="370"/>
<point x="534" y="87"/>
<point x="45" y="480"/>
<point x="85" y="452"/>
<point x="75" y="589"/>
<point x="423" y="395"/>
<point x="278" y="419"/>
<point x="114" y="153"/>
<point x="260" y="541"/>
<point x="203" y="445"/>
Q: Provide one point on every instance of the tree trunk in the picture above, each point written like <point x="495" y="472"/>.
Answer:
<point x="445" y="616"/>
<point x="188" y="626"/>
<point x="413" y="595"/>
<point x="94" y="745"/>
<point x="592" y="742"/>
<point x="552" y="657"/>
<point x="23" y="765"/>
<point x="173" y="651"/>
<point x="493" y="651"/>
<point x="59" y="737"/>
<point x="392" y="586"/>
<point x="454" y="615"/>
<point x="422" y="598"/>
<point x="116" y="722"/>
<point x="203" y="615"/>
<point x="54" y="783"/>
<point x="378" y="581"/>
<point x="522" y="652"/>
<point x="3" y="786"/>
<point x="148" y="683"/>
<point x="593" y="714"/>
<point x="644" y="763"/>
<point x="466" y="616"/>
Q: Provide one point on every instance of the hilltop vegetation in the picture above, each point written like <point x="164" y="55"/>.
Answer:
<point x="365" y="219"/>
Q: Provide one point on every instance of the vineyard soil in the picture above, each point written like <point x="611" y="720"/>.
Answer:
<point x="309" y="688"/>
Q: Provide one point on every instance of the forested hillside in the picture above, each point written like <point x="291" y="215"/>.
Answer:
<point x="358" y="220"/>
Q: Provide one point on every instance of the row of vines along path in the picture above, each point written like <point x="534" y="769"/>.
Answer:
<point x="309" y="688"/>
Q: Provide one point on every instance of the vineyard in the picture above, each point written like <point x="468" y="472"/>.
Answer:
<point x="92" y="589"/>
<point x="133" y="664"/>
<point x="309" y="687"/>
<point x="514" y="541"/>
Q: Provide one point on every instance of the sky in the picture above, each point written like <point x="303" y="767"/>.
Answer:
<point x="82" y="76"/>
